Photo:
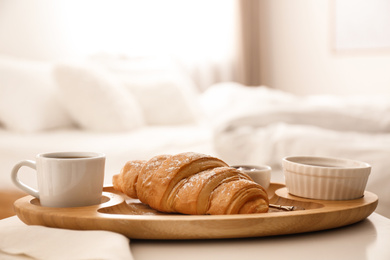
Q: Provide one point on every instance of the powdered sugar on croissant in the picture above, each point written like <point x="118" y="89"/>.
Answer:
<point x="191" y="183"/>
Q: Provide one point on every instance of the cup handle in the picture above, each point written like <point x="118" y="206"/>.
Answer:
<point x="18" y="183"/>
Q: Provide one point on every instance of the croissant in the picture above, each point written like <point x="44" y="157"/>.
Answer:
<point x="191" y="183"/>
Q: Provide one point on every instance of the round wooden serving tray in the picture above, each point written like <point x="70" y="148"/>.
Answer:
<point x="133" y="219"/>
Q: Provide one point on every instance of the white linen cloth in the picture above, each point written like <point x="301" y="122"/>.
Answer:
<point x="19" y="241"/>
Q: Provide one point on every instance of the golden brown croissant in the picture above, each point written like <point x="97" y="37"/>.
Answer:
<point x="191" y="183"/>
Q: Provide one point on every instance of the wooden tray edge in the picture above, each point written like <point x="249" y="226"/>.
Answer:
<point x="200" y="227"/>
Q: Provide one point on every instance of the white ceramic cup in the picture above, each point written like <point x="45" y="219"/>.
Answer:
<point x="65" y="179"/>
<point x="259" y="173"/>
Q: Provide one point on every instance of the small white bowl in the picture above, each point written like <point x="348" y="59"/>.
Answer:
<point x="325" y="178"/>
<point x="260" y="173"/>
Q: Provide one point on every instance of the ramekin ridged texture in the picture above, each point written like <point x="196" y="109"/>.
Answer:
<point x="325" y="178"/>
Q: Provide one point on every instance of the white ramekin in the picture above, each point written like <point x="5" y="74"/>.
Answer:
<point x="325" y="178"/>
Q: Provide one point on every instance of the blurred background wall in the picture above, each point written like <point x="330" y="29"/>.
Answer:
<point x="303" y="50"/>
<point x="296" y="46"/>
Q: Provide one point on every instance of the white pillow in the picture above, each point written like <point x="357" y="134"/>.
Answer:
<point x="167" y="95"/>
<point x="165" y="98"/>
<point x="29" y="98"/>
<point x="96" y="99"/>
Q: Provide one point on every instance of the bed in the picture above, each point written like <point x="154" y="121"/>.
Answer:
<point x="119" y="107"/>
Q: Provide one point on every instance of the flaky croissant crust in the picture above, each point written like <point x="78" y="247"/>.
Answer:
<point x="191" y="183"/>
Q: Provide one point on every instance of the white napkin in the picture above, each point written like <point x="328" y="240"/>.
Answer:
<point x="20" y="241"/>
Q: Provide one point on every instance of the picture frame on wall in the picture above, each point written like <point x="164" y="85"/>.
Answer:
<point x="361" y="25"/>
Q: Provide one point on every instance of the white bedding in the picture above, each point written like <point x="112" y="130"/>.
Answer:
<point x="271" y="124"/>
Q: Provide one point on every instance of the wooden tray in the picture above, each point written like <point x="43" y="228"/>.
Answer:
<point x="129" y="217"/>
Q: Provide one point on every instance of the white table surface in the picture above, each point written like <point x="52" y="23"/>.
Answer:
<point x="368" y="239"/>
